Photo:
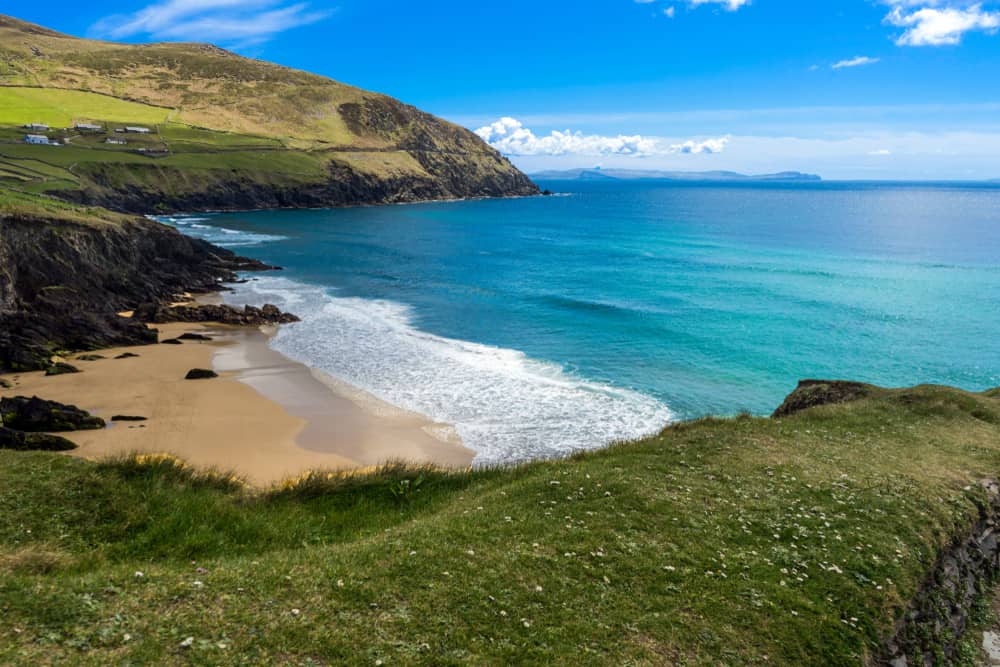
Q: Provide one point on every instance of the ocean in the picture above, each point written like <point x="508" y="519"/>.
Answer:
<point x="540" y="326"/>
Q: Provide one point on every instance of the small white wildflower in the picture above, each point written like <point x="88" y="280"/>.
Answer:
<point x="296" y="612"/>
<point x="538" y="589"/>
<point x="187" y="643"/>
<point x="139" y="575"/>
<point x="197" y="584"/>
<point x="340" y="583"/>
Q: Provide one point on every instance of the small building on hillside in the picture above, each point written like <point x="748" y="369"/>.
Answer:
<point x="88" y="127"/>
<point x="116" y="141"/>
<point x="38" y="139"/>
<point x="37" y="127"/>
<point x="134" y="129"/>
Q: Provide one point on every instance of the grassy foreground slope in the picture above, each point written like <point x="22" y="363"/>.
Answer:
<point x="227" y="131"/>
<point x="746" y="541"/>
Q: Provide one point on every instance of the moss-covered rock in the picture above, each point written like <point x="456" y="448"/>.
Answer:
<point x="61" y="368"/>
<point x="38" y="415"/>
<point x="813" y="393"/>
<point x="33" y="442"/>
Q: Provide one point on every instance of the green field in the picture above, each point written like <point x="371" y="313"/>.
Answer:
<point x="63" y="108"/>
<point x="744" y="541"/>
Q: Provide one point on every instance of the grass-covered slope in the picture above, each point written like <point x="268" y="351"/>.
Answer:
<point x="228" y="131"/>
<point x="721" y="542"/>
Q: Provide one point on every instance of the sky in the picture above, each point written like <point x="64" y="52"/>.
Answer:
<point x="852" y="89"/>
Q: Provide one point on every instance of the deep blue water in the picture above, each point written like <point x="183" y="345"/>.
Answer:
<point x="541" y="325"/>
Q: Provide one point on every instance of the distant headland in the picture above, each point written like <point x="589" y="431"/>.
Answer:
<point x="599" y="174"/>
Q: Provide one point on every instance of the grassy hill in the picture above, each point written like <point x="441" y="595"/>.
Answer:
<point x="227" y="131"/>
<point x="794" y="541"/>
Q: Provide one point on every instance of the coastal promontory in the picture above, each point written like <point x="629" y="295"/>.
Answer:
<point x="181" y="127"/>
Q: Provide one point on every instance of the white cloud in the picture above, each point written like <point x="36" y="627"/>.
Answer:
<point x="936" y="23"/>
<point x="219" y="21"/>
<point x="880" y="151"/>
<point x="731" y="5"/>
<point x="509" y="136"/>
<point x="857" y="61"/>
<point x="669" y="12"/>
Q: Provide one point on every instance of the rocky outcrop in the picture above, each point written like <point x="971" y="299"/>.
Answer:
<point x="930" y="631"/>
<point x="62" y="281"/>
<point x="813" y="393"/>
<point x="36" y="415"/>
<point x="157" y="313"/>
<point x="200" y="374"/>
<point x="33" y="442"/>
<point x="61" y="368"/>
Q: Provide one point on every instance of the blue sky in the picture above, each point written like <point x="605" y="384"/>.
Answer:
<point x="848" y="89"/>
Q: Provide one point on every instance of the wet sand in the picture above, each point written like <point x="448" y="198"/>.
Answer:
<point x="266" y="417"/>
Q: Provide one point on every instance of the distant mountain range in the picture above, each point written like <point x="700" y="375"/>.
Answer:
<point x="645" y="174"/>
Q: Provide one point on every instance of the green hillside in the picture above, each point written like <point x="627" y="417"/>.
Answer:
<point x="225" y="131"/>
<point x="746" y="541"/>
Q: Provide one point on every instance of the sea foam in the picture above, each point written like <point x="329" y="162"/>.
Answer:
<point x="504" y="405"/>
<point x="227" y="238"/>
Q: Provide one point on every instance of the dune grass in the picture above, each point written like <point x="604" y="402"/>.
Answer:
<point x="738" y="541"/>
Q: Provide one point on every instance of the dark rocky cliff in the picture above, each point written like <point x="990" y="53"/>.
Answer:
<point x="163" y="189"/>
<point x="62" y="281"/>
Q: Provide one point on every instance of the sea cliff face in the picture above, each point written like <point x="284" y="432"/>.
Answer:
<point x="161" y="188"/>
<point x="62" y="281"/>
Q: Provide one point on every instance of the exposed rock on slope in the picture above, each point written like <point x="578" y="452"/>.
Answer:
<point x="812" y="393"/>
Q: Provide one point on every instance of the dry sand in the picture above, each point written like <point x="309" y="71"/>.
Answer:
<point x="266" y="417"/>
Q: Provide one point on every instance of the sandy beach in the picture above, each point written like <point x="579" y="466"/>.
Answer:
<point x="265" y="418"/>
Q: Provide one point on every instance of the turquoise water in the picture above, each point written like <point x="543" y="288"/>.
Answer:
<point x="543" y="325"/>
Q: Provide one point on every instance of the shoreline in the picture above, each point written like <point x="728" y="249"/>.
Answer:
<point x="265" y="418"/>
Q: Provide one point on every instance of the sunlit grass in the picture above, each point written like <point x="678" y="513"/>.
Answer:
<point x="722" y="541"/>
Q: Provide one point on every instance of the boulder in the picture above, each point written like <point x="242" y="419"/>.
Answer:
<point x="4" y="384"/>
<point x="126" y="355"/>
<point x="156" y="313"/>
<point x="171" y="341"/>
<point x="90" y="357"/>
<point x="38" y="415"/>
<point x="812" y="393"/>
<point x="127" y="418"/>
<point x="61" y="368"/>
<point x="25" y="442"/>
<point x="193" y="336"/>
<point x="200" y="374"/>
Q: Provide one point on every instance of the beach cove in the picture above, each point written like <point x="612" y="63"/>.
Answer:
<point x="265" y="418"/>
